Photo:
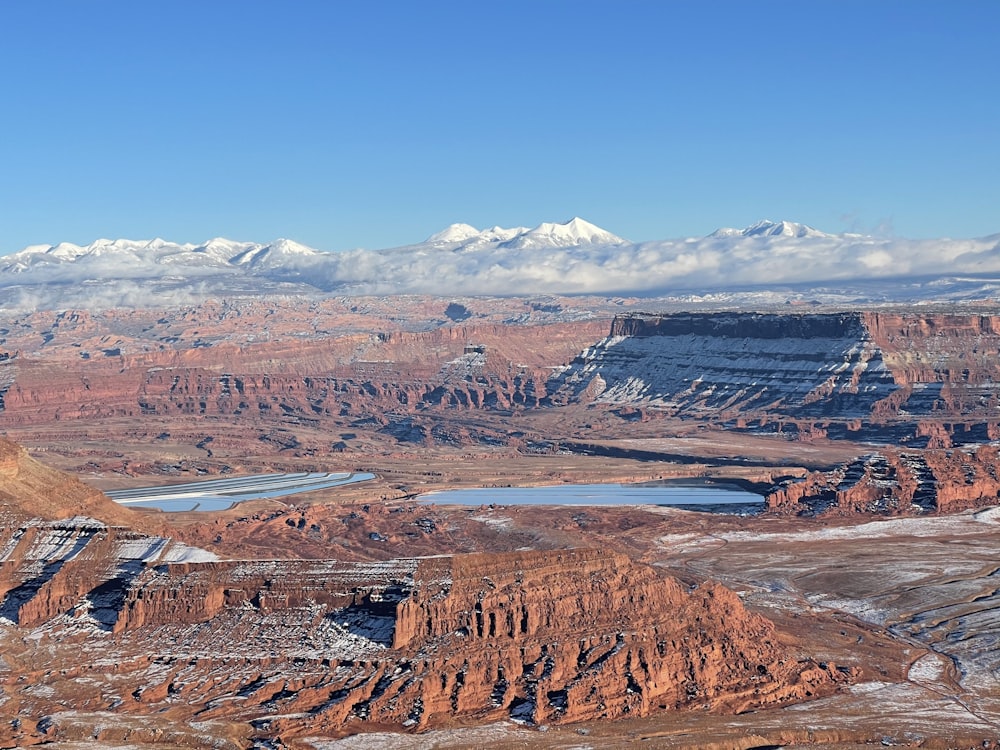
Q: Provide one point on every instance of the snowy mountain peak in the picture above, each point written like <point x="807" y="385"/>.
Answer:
<point x="578" y="230"/>
<point x="455" y="233"/>
<point x="552" y="258"/>
<point x="129" y="256"/>
<point x="62" y="251"/>
<point x="270" y="256"/>
<point x="291" y="247"/>
<point x="499" y="234"/>
<point x="572" y="233"/>
<point x="220" y="244"/>
<point x="768" y="228"/>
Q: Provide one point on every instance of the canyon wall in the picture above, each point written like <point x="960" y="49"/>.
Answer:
<point x="294" y="648"/>
<point x="898" y="482"/>
<point x="304" y="380"/>
<point x="915" y="379"/>
<point x="297" y="647"/>
<point x="924" y="380"/>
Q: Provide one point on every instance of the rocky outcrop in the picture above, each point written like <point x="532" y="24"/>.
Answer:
<point x="309" y="646"/>
<point x="616" y="653"/>
<point x="296" y="647"/>
<point x="921" y="380"/>
<point x="30" y="490"/>
<point x="898" y="482"/>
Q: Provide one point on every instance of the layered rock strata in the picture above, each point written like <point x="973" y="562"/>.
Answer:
<point x="292" y="647"/>
<point x="308" y="381"/>
<point x="915" y="379"/>
<point x="923" y="380"/>
<point x="893" y="482"/>
<point x="325" y="647"/>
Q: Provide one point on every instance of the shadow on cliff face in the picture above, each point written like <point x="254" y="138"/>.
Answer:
<point x="17" y="597"/>
<point x="106" y="601"/>
<point x="370" y="623"/>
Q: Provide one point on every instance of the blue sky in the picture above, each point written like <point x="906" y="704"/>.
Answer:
<point x="376" y="124"/>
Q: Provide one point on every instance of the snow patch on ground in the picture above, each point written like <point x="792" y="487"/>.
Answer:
<point x="863" y="609"/>
<point x="492" y="735"/>
<point x="990" y="515"/>
<point x="178" y="552"/>
<point x="956" y="525"/>
<point x="927" y="669"/>
<point x="495" y="522"/>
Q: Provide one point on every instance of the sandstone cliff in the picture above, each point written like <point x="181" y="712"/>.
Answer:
<point x="291" y="647"/>
<point x="894" y="481"/>
<point x="294" y="380"/>
<point x="923" y="380"/>
<point x="31" y="490"/>
<point x="295" y="647"/>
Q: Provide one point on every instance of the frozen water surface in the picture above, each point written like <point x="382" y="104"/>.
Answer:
<point x="220" y="494"/>
<point x="598" y="494"/>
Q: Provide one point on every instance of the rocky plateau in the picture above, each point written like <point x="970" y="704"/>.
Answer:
<point x="354" y="612"/>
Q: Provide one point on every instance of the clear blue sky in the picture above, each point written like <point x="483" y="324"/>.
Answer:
<point x="346" y="124"/>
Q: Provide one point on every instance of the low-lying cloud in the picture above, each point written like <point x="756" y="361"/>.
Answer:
<point x="709" y="264"/>
<point x="785" y="255"/>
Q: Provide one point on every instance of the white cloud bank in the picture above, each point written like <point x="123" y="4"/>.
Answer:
<point x="571" y="258"/>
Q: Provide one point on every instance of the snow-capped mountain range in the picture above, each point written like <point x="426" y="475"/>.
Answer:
<point x="575" y="257"/>
<point x="573" y="233"/>
<point x="768" y="228"/>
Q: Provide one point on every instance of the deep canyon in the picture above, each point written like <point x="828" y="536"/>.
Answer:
<point x="360" y="609"/>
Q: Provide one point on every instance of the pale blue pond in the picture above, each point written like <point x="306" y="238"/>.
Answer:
<point x="599" y="494"/>
<point x="220" y="494"/>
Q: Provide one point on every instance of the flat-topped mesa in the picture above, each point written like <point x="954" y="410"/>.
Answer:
<point x="915" y="379"/>
<point x="580" y="634"/>
<point x="741" y="325"/>
<point x="731" y="366"/>
<point x="516" y="602"/>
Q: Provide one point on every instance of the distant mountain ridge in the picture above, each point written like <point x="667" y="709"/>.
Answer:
<point x="214" y="252"/>
<point x="573" y="257"/>
<point x="768" y="228"/>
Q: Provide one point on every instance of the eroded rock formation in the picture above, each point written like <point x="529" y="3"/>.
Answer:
<point x="924" y="380"/>
<point x="898" y="482"/>
<point x="921" y="380"/>
<point x="292" y="647"/>
<point x="295" y="380"/>
<point x="295" y="647"/>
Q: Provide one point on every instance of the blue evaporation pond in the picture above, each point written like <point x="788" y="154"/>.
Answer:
<point x="221" y="494"/>
<point x="596" y="494"/>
